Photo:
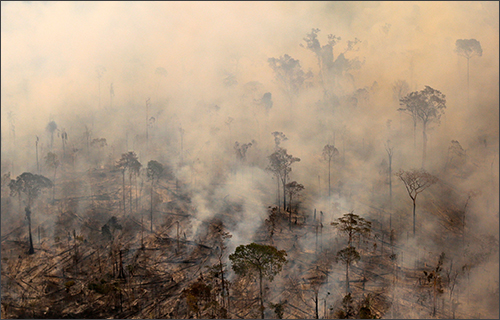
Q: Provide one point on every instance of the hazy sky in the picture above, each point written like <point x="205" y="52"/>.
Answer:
<point x="50" y="50"/>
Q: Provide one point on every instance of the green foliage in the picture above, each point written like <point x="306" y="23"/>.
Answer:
<point x="427" y="105"/>
<point x="198" y="296"/>
<point x="351" y="225"/>
<point x="29" y="184"/>
<point x="348" y="255"/>
<point x="257" y="258"/>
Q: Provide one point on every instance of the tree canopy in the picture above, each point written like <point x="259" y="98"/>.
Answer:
<point x="257" y="258"/>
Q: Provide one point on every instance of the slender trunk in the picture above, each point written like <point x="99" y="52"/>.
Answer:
<point x="414" y="205"/>
<point x="130" y="191"/>
<point x="223" y="283"/>
<point x="468" y="82"/>
<point x="136" y="195"/>
<point x="414" y="133"/>
<point x="316" y="305"/>
<point x="37" y="165"/>
<point x="284" y="193"/>
<point x="54" y="185"/>
<point x="390" y="180"/>
<point x="424" y="154"/>
<point x="123" y="175"/>
<point x="329" y="188"/>
<point x="151" y="205"/>
<point x="31" y="249"/>
<point x="347" y="278"/>
<point x="261" y="295"/>
<point x="278" y="192"/>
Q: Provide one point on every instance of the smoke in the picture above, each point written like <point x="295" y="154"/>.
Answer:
<point x="92" y="68"/>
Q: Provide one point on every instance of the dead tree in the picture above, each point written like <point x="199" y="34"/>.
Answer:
<point x="415" y="182"/>
<point x="329" y="153"/>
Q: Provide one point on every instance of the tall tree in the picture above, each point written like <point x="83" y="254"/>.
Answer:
<point x="51" y="128"/>
<point x="415" y="182"/>
<point x="130" y="162"/>
<point x="427" y="105"/>
<point x="221" y="238"/>
<point x="280" y="164"/>
<point x="154" y="173"/>
<point x="256" y="259"/>
<point x="293" y="188"/>
<point x="289" y="74"/>
<point x="31" y="185"/>
<point x="347" y="256"/>
<point x="468" y="48"/>
<point x="241" y="150"/>
<point x="52" y="161"/>
<point x="352" y="225"/>
<point x="389" y="148"/>
<point x="329" y="153"/>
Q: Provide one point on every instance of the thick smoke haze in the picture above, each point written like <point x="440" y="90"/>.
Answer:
<point x="199" y="73"/>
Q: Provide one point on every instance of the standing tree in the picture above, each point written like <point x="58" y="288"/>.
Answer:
<point x="290" y="75"/>
<point x="263" y="260"/>
<point x="31" y="185"/>
<point x="222" y="237"/>
<point x="280" y="163"/>
<point x="51" y="128"/>
<point x="98" y="144"/>
<point x="130" y="162"/>
<point x="400" y="89"/>
<point x="352" y="226"/>
<point x="154" y="173"/>
<point x="241" y="150"/>
<point x="415" y="182"/>
<point x="329" y="153"/>
<point x="468" y="48"/>
<point x="292" y="188"/>
<point x="100" y="71"/>
<point x="52" y="161"/>
<point x="347" y="256"/>
<point x="426" y="105"/>
<point x="390" y="152"/>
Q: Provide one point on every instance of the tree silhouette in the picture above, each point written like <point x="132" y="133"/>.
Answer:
<point x="130" y="162"/>
<point x="347" y="256"/>
<point x="51" y="128"/>
<point x="468" y="48"/>
<point x="289" y="74"/>
<point x="52" y="161"/>
<point x="241" y="150"/>
<point x="154" y="173"/>
<point x="329" y="153"/>
<point x="263" y="260"/>
<point x="31" y="185"/>
<point x="280" y="163"/>
<point x="352" y="226"/>
<point x="415" y="182"/>
<point x="292" y="188"/>
<point x="426" y="105"/>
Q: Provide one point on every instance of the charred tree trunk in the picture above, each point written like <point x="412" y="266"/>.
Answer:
<point x="414" y="206"/>
<point x="424" y="152"/>
<point x="261" y="295"/>
<point x="151" y="212"/>
<point x="28" y="215"/>
<point x="123" y="184"/>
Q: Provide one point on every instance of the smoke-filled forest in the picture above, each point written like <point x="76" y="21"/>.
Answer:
<point x="281" y="160"/>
